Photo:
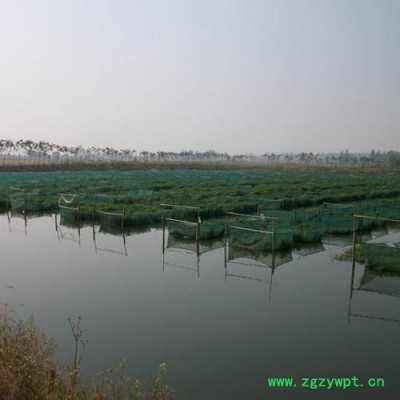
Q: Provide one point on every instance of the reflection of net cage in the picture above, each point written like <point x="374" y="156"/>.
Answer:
<point x="17" y="218"/>
<point x="384" y="284"/>
<point x="17" y="228"/>
<point x="380" y="256"/>
<point x="69" y="233"/>
<point x="337" y="240"/>
<point x="114" y="233"/>
<point x="307" y="249"/>
<point x="189" y="245"/>
<point x="270" y="259"/>
<point x="255" y="266"/>
<point x="183" y="267"/>
<point x="186" y="246"/>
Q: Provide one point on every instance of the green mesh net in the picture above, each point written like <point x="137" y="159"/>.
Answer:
<point x="207" y="230"/>
<point x="337" y="222"/>
<point x="31" y="201"/>
<point x="269" y="204"/>
<point x="187" y="244"/>
<point x="307" y="234"/>
<point x="270" y="259"/>
<point x="261" y="241"/>
<point x="382" y="282"/>
<point x="380" y="256"/>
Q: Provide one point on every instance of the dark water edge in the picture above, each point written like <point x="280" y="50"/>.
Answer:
<point x="222" y="331"/>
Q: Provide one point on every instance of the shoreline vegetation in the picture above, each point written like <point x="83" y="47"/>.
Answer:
<point x="27" y="371"/>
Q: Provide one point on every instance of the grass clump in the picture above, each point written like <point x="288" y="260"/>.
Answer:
<point x="347" y="255"/>
<point x="27" y="371"/>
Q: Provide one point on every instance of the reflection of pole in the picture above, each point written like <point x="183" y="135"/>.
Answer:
<point x="9" y="221"/>
<point x="353" y="266"/>
<point x="354" y="241"/>
<point x="270" y="283"/>
<point x="94" y="238"/>
<point x="198" y="266"/>
<point x="124" y="240"/>
<point x="225" y="242"/>
<point x="55" y="220"/>
<point x="93" y="209"/>
<point x="198" y="239"/>
<point x="351" y="292"/>
<point x="163" y="234"/>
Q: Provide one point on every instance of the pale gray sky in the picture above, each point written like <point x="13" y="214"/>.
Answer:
<point x="238" y="76"/>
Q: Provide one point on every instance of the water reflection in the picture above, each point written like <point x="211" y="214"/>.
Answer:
<point x="257" y="266"/>
<point x="307" y="249"/>
<point x="18" y="220"/>
<point x="212" y="325"/>
<point x="383" y="286"/>
<point x="115" y="231"/>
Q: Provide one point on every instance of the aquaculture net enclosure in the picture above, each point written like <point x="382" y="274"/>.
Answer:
<point x="259" y="240"/>
<point x="381" y="256"/>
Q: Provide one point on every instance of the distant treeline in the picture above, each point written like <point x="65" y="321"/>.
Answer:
<point x="28" y="151"/>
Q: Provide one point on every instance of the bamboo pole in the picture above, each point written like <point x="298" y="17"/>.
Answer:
<point x="354" y="241"/>
<point x="198" y="239"/>
<point x="182" y="221"/>
<point x="225" y="243"/>
<point x="252" y="230"/>
<point x="376" y="218"/>
<point x="258" y="217"/>
<point x="94" y="209"/>
<point x="123" y="214"/>
<point x="163" y="234"/>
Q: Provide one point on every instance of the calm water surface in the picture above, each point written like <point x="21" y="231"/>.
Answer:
<point x="222" y="331"/>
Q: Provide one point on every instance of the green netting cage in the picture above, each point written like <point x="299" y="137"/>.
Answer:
<point x="269" y="204"/>
<point x="261" y="241"/>
<point x="380" y="256"/>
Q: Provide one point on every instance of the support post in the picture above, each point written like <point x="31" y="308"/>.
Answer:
<point x="93" y="209"/>
<point x="198" y="239"/>
<point x="163" y="234"/>
<point x="354" y="241"/>
<point x="225" y="243"/>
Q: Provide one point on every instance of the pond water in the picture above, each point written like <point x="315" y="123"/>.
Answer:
<point x="222" y="329"/>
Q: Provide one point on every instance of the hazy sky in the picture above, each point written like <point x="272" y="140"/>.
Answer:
<point x="238" y="76"/>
